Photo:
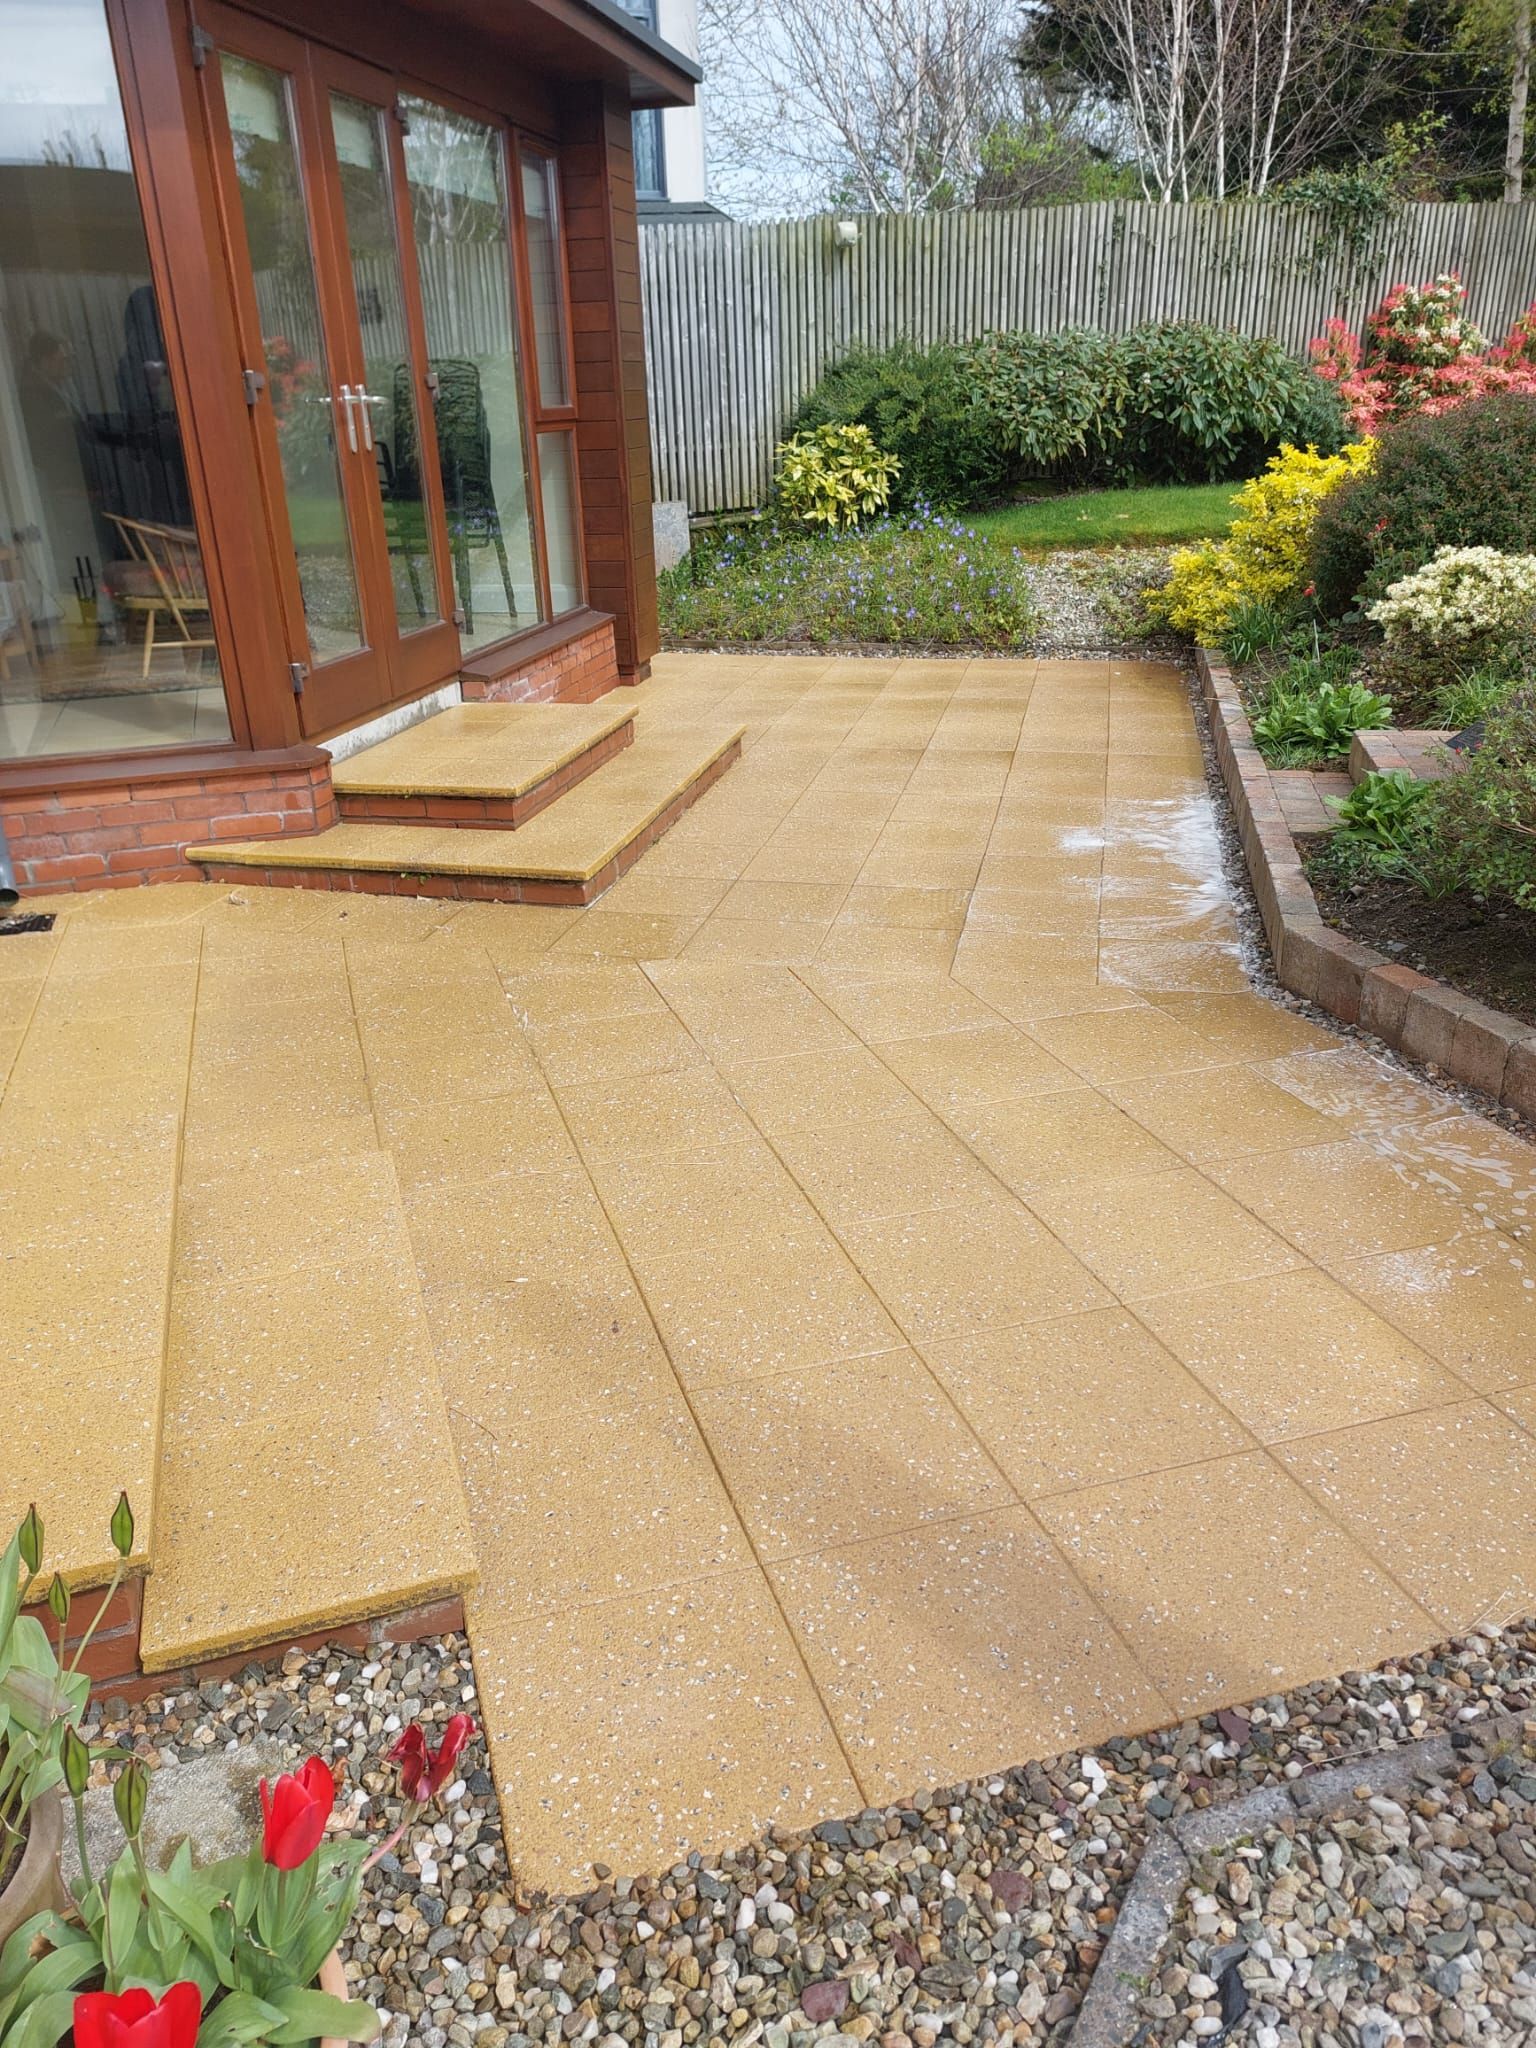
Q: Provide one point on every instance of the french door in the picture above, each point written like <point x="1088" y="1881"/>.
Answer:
<point x="317" y="222"/>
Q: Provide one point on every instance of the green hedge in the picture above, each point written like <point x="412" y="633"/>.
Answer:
<point x="1170" y="403"/>
<point x="1460" y="479"/>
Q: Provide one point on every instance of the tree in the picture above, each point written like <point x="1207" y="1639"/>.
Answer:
<point x="878" y="105"/>
<point x="1499" y="32"/>
<point x="1222" y="97"/>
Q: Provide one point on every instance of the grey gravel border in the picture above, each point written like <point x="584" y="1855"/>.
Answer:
<point x="1109" y="2015"/>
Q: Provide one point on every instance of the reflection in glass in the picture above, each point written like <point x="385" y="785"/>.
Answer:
<point x="293" y="346"/>
<point x="562" y="539"/>
<point x="106" y="641"/>
<point x="541" y="213"/>
<point x="459" y="206"/>
<point x="387" y="411"/>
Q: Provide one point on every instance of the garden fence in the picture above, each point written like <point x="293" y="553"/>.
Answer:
<point x="741" y="319"/>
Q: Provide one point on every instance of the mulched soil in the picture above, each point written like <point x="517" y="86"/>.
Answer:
<point x="1485" y="949"/>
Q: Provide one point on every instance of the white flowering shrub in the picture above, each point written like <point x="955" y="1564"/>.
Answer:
<point x="1462" y="598"/>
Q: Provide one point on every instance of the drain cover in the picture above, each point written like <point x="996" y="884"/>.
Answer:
<point x="35" y="921"/>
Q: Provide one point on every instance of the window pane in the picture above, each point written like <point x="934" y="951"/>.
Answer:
<point x="557" y="484"/>
<point x="541" y="211"/>
<point x="105" y="636"/>
<point x="293" y="345"/>
<point x="389" y="388"/>
<point x="464" y="248"/>
<point x="650" y="162"/>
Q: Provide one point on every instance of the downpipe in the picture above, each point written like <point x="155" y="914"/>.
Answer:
<point x="10" y="895"/>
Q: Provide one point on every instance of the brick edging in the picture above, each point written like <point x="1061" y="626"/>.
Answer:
<point x="1108" y="2016"/>
<point x="1469" y="1042"/>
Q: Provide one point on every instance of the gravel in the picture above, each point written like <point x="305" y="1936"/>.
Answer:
<point x="968" y="1914"/>
<point x="1405" y="1920"/>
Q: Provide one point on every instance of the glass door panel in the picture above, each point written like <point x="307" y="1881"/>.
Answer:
<point x="385" y="402"/>
<point x="456" y="170"/>
<point x="294" y="351"/>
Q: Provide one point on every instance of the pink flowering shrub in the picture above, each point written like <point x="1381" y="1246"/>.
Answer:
<point x="1422" y="355"/>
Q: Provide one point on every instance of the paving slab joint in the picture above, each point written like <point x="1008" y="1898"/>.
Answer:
<point x="1108" y="2016"/>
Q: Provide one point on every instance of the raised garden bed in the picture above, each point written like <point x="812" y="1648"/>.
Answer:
<point x="1473" y="1042"/>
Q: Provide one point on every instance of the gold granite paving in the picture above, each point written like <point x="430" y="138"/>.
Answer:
<point x="875" y="1298"/>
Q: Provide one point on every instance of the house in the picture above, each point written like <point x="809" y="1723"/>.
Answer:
<point x="322" y="401"/>
<point x="669" y="142"/>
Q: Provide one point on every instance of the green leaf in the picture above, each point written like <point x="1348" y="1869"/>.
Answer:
<point x="311" y="2014"/>
<point x="45" y="2022"/>
<point x="125" y="1907"/>
<point x="238" y="2018"/>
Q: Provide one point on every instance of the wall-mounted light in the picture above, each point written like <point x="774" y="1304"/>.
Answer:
<point x="845" y="233"/>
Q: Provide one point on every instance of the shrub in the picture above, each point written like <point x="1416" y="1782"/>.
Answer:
<point x="917" y="579"/>
<point x="1204" y="403"/>
<point x="1310" y="709"/>
<point x="1263" y="558"/>
<point x="1174" y="402"/>
<point x="919" y="404"/>
<point x="835" y="476"/>
<point x="1485" y="814"/>
<point x="1461" y="598"/>
<point x="1421" y="354"/>
<point x="1052" y="400"/>
<point x="1466" y="478"/>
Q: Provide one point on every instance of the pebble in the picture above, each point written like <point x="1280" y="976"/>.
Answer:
<point x="967" y="1916"/>
<point x="1395" y="1925"/>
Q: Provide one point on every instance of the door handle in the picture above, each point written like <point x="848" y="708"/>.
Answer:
<point x="365" y="401"/>
<point x="348" y="398"/>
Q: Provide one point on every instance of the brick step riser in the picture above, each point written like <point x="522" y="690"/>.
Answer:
<point x="480" y="888"/>
<point x="507" y="813"/>
<point x="111" y="1659"/>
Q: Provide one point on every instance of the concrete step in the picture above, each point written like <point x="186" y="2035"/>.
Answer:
<point x="569" y="853"/>
<point x="308" y="1476"/>
<point x="494" y="765"/>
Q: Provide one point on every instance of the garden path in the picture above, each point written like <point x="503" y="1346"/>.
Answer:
<point x="901" y="1303"/>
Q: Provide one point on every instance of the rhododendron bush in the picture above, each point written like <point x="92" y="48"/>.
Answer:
<point x="1421" y="354"/>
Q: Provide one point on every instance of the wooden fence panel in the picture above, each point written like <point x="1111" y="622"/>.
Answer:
<point x="741" y="319"/>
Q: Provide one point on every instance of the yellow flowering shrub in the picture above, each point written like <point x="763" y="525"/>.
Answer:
<point x="1263" y="557"/>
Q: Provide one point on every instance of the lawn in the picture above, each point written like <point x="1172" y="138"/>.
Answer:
<point x="1167" y="512"/>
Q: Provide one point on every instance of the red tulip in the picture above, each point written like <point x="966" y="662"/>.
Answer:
<point x="133" y="2019"/>
<point x="295" y="1811"/>
<point x="424" y="1771"/>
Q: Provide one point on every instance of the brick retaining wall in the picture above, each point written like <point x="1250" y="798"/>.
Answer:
<point x="1469" y="1042"/>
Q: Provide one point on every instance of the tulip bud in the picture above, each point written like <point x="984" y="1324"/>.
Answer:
<point x="30" y="1537"/>
<point x="129" y="1795"/>
<point x="76" y="1758"/>
<point x="122" y="1526"/>
<point x="58" y="1599"/>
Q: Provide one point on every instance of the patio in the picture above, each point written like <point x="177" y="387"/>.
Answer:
<point x="873" y="1299"/>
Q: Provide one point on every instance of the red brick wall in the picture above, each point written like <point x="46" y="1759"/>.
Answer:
<point x="113" y="834"/>
<point x="581" y="671"/>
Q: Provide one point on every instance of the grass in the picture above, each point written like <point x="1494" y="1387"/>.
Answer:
<point x="1164" y="512"/>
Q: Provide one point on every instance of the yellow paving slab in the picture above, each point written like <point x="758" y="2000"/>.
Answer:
<point x="850" y="1366"/>
<point x="485" y="750"/>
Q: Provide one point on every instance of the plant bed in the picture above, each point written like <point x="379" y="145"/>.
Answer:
<point x="1484" y="948"/>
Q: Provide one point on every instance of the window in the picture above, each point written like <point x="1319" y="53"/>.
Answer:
<point x="555" y="382"/>
<point x="650" y="154"/>
<point x="106" y="636"/>
<point x="456" y="170"/>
